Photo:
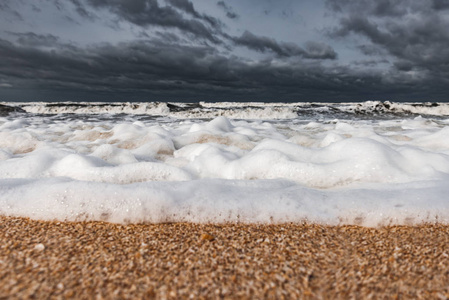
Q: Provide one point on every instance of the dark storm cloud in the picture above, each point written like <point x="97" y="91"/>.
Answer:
<point x="414" y="32"/>
<point x="263" y="44"/>
<point x="228" y="10"/>
<point x="164" y="71"/>
<point x="188" y="7"/>
<point x="167" y="37"/>
<point x="32" y="39"/>
<point x="82" y="11"/>
<point x="149" y="13"/>
<point x="126" y="66"/>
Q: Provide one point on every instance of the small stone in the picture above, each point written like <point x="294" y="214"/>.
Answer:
<point x="79" y="228"/>
<point x="39" y="247"/>
<point x="207" y="237"/>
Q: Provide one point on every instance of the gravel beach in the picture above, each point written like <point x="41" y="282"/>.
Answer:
<point x="101" y="260"/>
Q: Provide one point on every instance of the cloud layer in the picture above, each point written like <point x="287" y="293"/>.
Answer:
<point x="177" y="51"/>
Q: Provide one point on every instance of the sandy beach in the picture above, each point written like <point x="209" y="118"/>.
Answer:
<point x="101" y="260"/>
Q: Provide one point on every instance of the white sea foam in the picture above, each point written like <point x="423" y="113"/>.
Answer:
<point x="126" y="168"/>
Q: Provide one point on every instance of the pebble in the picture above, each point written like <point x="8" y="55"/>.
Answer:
<point x="207" y="237"/>
<point x="39" y="247"/>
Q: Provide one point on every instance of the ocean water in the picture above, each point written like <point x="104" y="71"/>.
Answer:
<point x="371" y="163"/>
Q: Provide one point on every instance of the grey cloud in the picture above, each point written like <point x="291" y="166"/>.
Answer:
<point x="185" y="5"/>
<point x="228" y="10"/>
<point x="167" y="71"/>
<point x="371" y="63"/>
<point x="440" y="4"/>
<point x="127" y="66"/>
<point x="371" y="50"/>
<point x="35" y="8"/>
<point x="369" y="7"/>
<point x="32" y="39"/>
<point x="263" y="44"/>
<point x="5" y="7"/>
<point x="363" y="26"/>
<point x="167" y="37"/>
<point x="58" y="5"/>
<point x="82" y="11"/>
<point x="417" y="41"/>
<point x="404" y="66"/>
<point x="65" y="8"/>
<point x="317" y="50"/>
<point x="188" y="7"/>
<point x="146" y="13"/>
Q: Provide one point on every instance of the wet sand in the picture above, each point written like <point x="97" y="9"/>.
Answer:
<point x="102" y="260"/>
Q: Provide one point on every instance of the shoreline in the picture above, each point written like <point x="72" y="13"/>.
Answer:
<point x="45" y="259"/>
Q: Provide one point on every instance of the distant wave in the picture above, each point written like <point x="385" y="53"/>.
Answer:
<point x="235" y="110"/>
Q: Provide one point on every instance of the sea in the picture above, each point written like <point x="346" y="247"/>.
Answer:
<point x="371" y="163"/>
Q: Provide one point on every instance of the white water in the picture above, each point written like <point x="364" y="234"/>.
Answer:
<point x="274" y="166"/>
<point x="253" y="110"/>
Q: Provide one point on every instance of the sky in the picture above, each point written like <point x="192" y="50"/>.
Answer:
<point x="234" y="50"/>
